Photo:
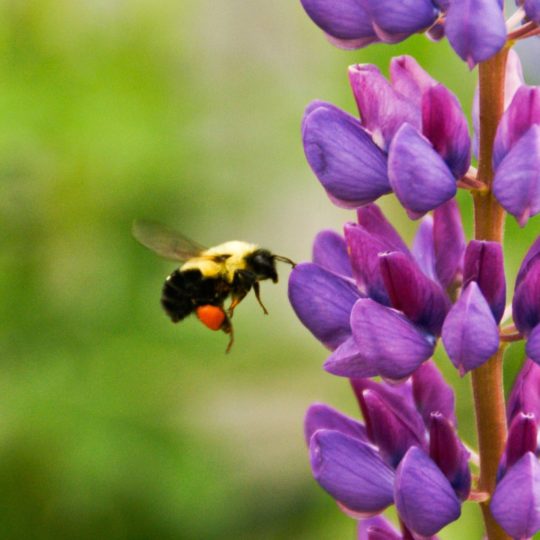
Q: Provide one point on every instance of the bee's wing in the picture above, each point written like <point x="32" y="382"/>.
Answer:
<point x="164" y="241"/>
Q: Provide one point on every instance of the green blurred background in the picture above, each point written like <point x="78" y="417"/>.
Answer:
<point x="115" y="423"/>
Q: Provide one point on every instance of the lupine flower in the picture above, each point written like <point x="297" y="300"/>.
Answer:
<point x="396" y="457"/>
<point x="516" y="501"/>
<point x="526" y="302"/>
<point x="377" y="308"/>
<point x="532" y="9"/>
<point x="412" y="139"/>
<point x="475" y="28"/>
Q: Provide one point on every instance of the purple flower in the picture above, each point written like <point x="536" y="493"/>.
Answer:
<point x="389" y="460"/>
<point x="412" y="139"/>
<point x="532" y="9"/>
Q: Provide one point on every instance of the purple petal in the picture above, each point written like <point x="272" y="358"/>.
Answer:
<point x="388" y="339"/>
<point x="516" y="501"/>
<point x="321" y="416"/>
<point x="397" y="398"/>
<point x="432" y="394"/>
<point x="351" y="471"/>
<point x="533" y="344"/>
<point x="382" y="110"/>
<point x="476" y="29"/>
<point x="423" y="248"/>
<point x="364" y="249"/>
<point x="330" y="252"/>
<point x="532" y="10"/>
<point x="395" y="21"/>
<point x="517" y="179"/>
<point x="470" y="333"/>
<point x="522" y="113"/>
<point x="376" y="528"/>
<point x="424" y="498"/>
<point x="372" y="220"/>
<point x="526" y="302"/>
<point x="410" y="291"/>
<point x="445" y="126"/>
<point x="528" y="261"/>
<point x="387" y="431"/>
<point x="342" y="19"/>
<point x="419" y="177"/>
<point x="449" y="240"/>
<point x="484" y="263"/>
<point x="323" y="302"/>
<point x="525" y="395"/>
<point x="347" y="359"/>
<point x="410" y="80"/>
<point x="522" y="438"/>
<point x="449" y="454"/>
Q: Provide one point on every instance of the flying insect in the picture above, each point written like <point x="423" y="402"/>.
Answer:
<point x="208" y="276"/>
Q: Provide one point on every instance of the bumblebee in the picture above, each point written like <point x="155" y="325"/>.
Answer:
<point x="208" y="276"/>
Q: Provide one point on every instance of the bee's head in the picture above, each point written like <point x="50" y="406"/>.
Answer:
<point x="263" y="263"/>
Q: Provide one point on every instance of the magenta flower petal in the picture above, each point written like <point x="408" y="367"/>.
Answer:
<point x="341" y="19"/>
<point x="522" y="438"/>
<point x="419" y="177"/>
<point x="410" y="291"/>
<point x="423" y="248"/>
<point x="410" y="80"/>
<point x="387" y="431"/>
<point x="372" y="220"/>
<point x="449" y="454"/>
<point x="432" y="394"/>
<point x="382" y="110"/>
<point x="424" y="498"/>
<point x="349" y="165"/>
<point x="533" y="344"/>
<point x="321" y="416"/>
<point x="516" y="501"/>
<point x="529" y="261"/>
<point x="517" y="180"/>
<point x="445" y="126"/>
<point x="330" y="252"/>
<point x="476" y="29"/>
<point x="449" y="241"/>
<point x="376" y="528"/>
<point x="484" y="264"/>
<point x="351" y="471"/>
<point x="521" y="114"/>
<point x="347" y="360"/>
<point x="525" y="395"/>
<point x="389" y="340"/>
<point x="323" y="302"/>
<point x="526" y="302"/>
<point x="470" y="333"/>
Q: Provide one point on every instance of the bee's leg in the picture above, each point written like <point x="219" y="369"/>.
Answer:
<point x="257" y="290"/>
<point x="227" y="327"/>
<point x="243" y="281"/>
<point x="236" y="299"/>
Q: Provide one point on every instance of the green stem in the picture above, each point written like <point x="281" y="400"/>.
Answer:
<point x="487" y="380"/>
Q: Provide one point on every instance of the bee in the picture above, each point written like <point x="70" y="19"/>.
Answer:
<point x="208" y="276"/>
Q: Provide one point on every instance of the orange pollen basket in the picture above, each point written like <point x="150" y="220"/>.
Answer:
<point x="211" y="316"/>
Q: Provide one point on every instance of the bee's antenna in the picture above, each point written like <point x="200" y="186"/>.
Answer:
<point x="285" y="260"/>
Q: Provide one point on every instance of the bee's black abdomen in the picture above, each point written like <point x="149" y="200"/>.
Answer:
<point x="183" y="292"/>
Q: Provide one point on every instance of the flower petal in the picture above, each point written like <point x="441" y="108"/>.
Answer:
<point x="532" y="10"/>
<point x="423" y="248"/>
<point x="389" y="340"/>
<point x="330" y="252"/>
<point x="449" y="240"/>
<point x="470" y="333"/>
<point x="419" y="177"/>
<point x="351" y="471"/>
<point x="424" y="498"/>
<point x="348" y="360"/>
<point x="484" y="263"/>
<point x="522" y="438"/>
<point x="533" y="344"/>
<point x="323" y="302"/>
<point x="526" y="301"/>
<point x="321" y="416"/>
<point x="476" y="29"/>
<point x="376" y="528"/>
<point x="525" y="395"/>
<point x="347" y="162"/>
<point x="517" y="180"/>
<point x="410" y="80"/>
<point x="410" y="291"/>
<point x="382" y="110"/>
<point x="432" y="394"/>
<point x="445" y="126"/>
<point x="516" y="501"/>
<point x="528" y="261"/>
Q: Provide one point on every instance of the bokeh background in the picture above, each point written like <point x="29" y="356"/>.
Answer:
<point x="114" y="423"/>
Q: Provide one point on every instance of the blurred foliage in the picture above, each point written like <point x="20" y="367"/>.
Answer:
<point x="115" y="423"/>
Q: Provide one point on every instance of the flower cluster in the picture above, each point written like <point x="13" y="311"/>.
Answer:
<point x="381" y="306"/>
